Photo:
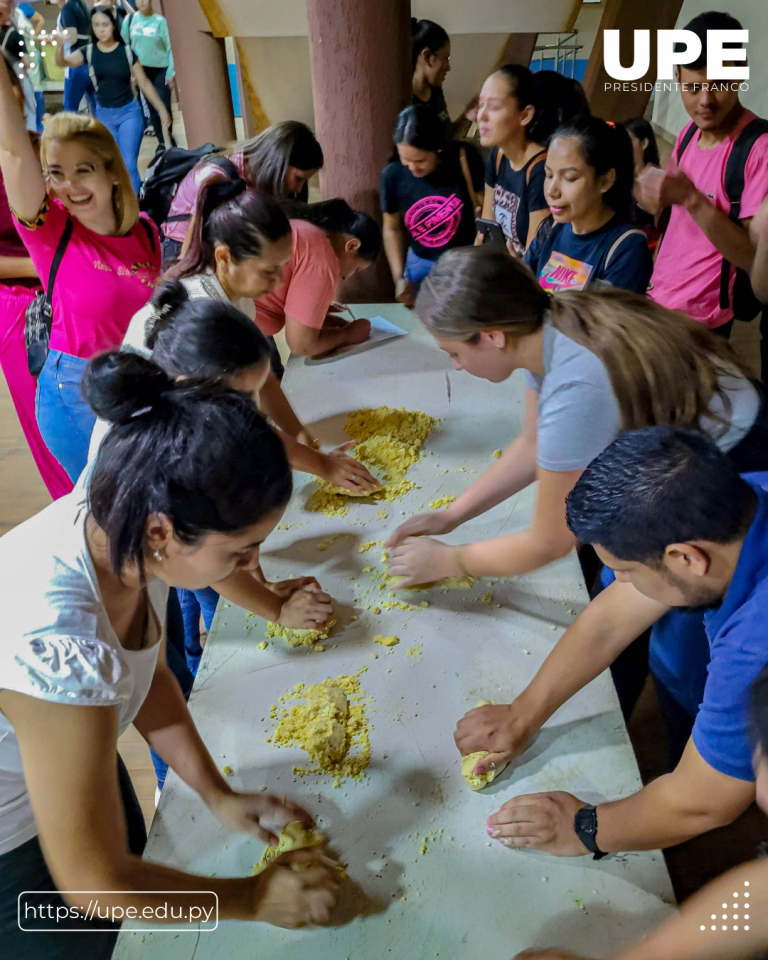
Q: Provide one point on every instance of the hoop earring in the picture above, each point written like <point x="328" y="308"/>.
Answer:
<point x="157" y="555"/>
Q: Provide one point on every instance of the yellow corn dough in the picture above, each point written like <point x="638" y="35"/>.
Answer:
<point x="328" y="722"/>
<point x="471" y="760"/>
<point x="297" y="637"/>
<point x="293" y="836"/>
<point x="386" y="641"/>
<point x="440" y="502"/>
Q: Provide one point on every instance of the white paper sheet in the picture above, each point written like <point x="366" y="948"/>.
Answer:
<point x="381" y="330"/>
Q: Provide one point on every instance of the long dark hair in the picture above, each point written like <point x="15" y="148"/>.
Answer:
<point x="426" y="35"/>
<point x="202" y="337"/>
<point x="605" y="146"/>
<point x="336" y="216"/>
<point x="110" y="14"/>
<point x="229" y="213"/>
<point x="556" y="101"/>
<point x="268" y="156"/>
<point x="196" y="452"/>
<point x="419" y="126"/>
<point x="641" y="129"/>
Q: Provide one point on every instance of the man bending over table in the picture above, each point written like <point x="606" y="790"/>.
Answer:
<point x="672" y="517"/>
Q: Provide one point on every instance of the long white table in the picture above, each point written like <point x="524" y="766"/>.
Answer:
<point x="466" y="897"/>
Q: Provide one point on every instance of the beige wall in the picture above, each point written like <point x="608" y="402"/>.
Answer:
<point x="668" y="112"/>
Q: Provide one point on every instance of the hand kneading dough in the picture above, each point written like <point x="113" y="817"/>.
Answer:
<point x="294" y="836"/>
<point x="471" y="760"/>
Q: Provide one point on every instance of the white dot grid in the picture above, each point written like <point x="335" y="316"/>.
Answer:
<point x="735" y="915"/>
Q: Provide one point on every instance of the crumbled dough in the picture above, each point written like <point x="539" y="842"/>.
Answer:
<point x="329" y="725"/>
<point x="382" y="515"/>
<point x="440" y="502"/>
<point x="386" y="641"/>
<point x="297" y="637"/>
<point x="497" y="453"/>
<point x="263" y="645"/>
<point x="375" y="610"/>
<point x="227" y="771"/>
<point x="487" y="597"/>
<point x="414" y="651"/>
<point x="365" y="547"/>
<point x="471" y="760"/>
<point x="293" y="836"/>
<point x="388" y="443"/>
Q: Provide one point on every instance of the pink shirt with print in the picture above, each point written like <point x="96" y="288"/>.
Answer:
<point x="686" y="275"/>
<point x="101" y="283"/>
<point x="309" y="282"/>
<point x="185" y="199"/>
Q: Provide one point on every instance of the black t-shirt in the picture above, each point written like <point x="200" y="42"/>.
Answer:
<point x="516" y="195"/>
<point x="565" y="260"/>
<point x="437" y="209"/>
<point x="437" y="103"/>
<point x="12" y="45"/>
<point x="113" y="76"/>
<point x="75" y="14"/>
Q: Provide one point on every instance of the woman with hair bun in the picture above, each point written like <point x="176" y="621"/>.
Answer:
<point x="279" y="163"/>
<point x="185" y="488"/>
<point x="588" y="179"/>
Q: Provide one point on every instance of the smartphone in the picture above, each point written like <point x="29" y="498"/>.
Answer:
<point x="491" y="231"/>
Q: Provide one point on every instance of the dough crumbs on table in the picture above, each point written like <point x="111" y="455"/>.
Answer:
<point x="414" y="651"/>
<point x="497" y="453"/>
<point x="440" y="502"/>
<point x="227" y="770"/>
<point x="386" y="641"/>
<point x="330" y="725"/>
<point x="365" y="547"/>
<point x="293" y="836"/>
<point x="297" y="637"/>
<point x="327" y="541"/>
<point x="263" y="645"/>
<point x="487" y="597"/>
<point x="382" y="515"/>
<point x="388" y="442"/>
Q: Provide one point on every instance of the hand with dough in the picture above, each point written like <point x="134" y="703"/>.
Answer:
<point x="245" y="811"/>
<point x="341" y="470"/>
<point x="307" y="608"/>
<point x="432" y="524"/>
<point x="498" y="729"/>
<point x="298" y="889"/>
<point x="422" y="560"/>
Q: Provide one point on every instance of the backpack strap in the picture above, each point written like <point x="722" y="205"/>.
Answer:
<point x="690" y="130"/>
<point x="498" y="160"/>
<point x="129" y="56"/>
<point x="735" y="170"/>
<point x="539" y="158"/>
<point x="149" y="232"/>
<point x="225" y="164"/>
<point x="618" y="242"/>
<point x="57" y="258"/>
<point x="91" y="71"/>
<point x="130" y="21"/>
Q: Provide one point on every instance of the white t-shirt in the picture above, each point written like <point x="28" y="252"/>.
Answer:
<point x="57" y="643"/>
<point x="135" y="339"/>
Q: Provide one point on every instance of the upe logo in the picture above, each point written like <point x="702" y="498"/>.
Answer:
<point x="668" y="57"/>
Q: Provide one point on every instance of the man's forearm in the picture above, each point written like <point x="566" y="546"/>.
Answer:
<point x="731" y="239"/>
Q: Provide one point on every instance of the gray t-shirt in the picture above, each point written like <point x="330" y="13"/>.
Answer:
<point x="579" y="415"/>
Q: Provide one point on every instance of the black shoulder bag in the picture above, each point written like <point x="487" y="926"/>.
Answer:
<point x="39" y="316"/>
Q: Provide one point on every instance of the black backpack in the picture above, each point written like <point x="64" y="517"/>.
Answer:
<point x="746" y="306"/>
<point x="166" y="173"/>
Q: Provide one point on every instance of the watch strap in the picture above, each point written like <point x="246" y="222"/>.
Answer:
<point x="585" y="826"/>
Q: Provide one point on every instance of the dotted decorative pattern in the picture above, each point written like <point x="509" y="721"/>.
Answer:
<point x="741" y="916"/>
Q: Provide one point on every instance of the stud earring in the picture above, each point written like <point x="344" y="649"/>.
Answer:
<point x="157" y="555"/>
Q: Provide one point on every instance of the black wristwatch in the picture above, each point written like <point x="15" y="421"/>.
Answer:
<point x="585" y="825"/>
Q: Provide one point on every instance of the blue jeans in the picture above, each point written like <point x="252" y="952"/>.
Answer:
<point x="24" y="868"/>
<point x="40" y="110"/>
<point x="417" y="268"/>
<point x="193" y="603"/>
<point x="126" y="124"/>
<point x="76" y="86"/>
<point x="64" y="418"/>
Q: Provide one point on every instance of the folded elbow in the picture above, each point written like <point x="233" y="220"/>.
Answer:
<point x="299" y="343"/>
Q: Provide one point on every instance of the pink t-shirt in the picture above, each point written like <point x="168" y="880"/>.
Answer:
<point x="686" y="275"/>
<point x="309" y="282"/>
<point x="185" y="199"/>
<point x="101" y="283"/>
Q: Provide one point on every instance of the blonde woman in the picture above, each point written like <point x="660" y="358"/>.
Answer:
<point x="595" y="364"/>
<point x="109" y="264"/>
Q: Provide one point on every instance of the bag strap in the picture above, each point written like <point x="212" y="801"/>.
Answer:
<point x="618" y="242"/>
<point x="687" y="137"/>
<point x="57" y="258"/>
<point x="464" y="164"/>
<point x="149" y="233"/>
<point x="91" y="71"/>
<point x="539" y="158"/>
<point x="130" y="21"/>
<point x="498" y="160"/>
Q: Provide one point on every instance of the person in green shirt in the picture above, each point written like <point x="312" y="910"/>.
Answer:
<point x="146" y="32"/>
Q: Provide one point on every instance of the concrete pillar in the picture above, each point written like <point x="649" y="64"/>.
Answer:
<point x="201" y="73"/>
<point x="361" y="79"/>
<point x="626" y="16"/>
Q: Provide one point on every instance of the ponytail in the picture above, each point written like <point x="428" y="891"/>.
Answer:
<point x="195" y="452"/>
<point x="229" y="214"/>
<point x="336" y="216"/>
<point x="426" y="35"/>
<point x="664" y="367"/>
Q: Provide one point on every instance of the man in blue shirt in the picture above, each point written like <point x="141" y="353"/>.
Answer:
<point x="672" y="517"/>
